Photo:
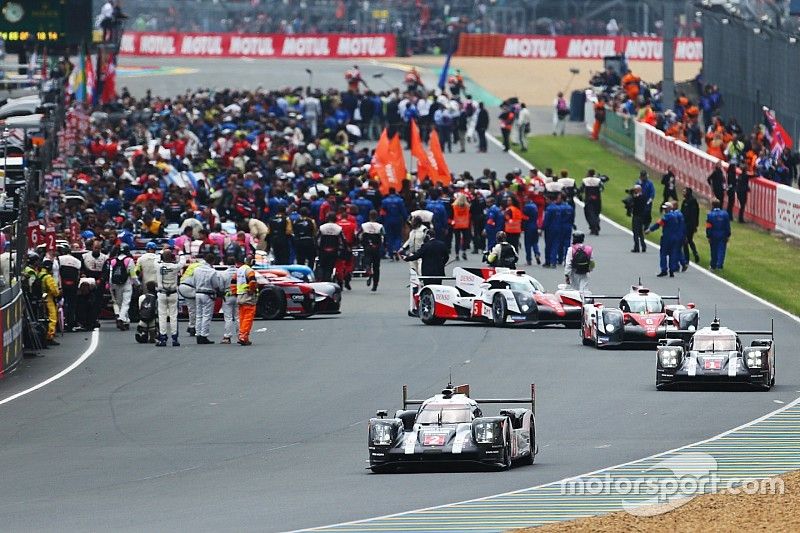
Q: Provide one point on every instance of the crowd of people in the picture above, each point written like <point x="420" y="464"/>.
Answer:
<point x="162" y="193"/>
<point x="700" y="123"/>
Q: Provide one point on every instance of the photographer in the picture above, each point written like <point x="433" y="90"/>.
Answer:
<point x="637" y="208"/>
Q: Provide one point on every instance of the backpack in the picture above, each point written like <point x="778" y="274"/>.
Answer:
<point x="302" y="229"/>
<point x="561" y="108"/>
<point x="149" y="307"/>
<point x="371" y="241"/>
<point x="581" y="262"/>
<point x="36" y="287"/>
<point x="508" y="256"/>
<point x="119" y="272"/>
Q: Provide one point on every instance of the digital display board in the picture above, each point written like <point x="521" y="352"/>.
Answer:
<point x="60" y="22"/>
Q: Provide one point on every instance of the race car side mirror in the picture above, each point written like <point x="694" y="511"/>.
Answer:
<point x="690" y="305"/>
<point x="381" y="413"/>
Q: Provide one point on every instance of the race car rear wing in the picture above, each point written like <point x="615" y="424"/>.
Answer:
<point x="464" y="389"/>
<point x="770" y="332"/>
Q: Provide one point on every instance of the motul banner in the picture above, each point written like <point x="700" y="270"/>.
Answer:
<point x="576" y="47"/>
<point x="145" y="44"/>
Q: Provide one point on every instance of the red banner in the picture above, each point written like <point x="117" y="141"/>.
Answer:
<point x="576" y="47"/>
<point x="146" y="44"/>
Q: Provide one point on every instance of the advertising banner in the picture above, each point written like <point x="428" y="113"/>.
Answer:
<point x="576" y="47"/>
<point x="280" y="46"/>
<point x="11" y="324"/>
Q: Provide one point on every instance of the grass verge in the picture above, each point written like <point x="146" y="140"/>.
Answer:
<point x="761" y="262"/>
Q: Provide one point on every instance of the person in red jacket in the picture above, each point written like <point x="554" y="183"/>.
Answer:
<point x="346" y="262"/>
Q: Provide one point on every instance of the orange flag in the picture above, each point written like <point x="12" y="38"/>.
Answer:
<point x="388" y="165"/>
<point x="425" y="167"/>
<point x="435" y="148"/>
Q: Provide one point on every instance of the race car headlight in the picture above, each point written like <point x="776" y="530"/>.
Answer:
<point x="525" y="308"/>
<point x="669" y="358"/>
<point x="610" y="328"/>
<point x="691" y="328"/>
<point x="754" y="359"/>
<point x="484" y="433"/>
<point x="382" y="434"/>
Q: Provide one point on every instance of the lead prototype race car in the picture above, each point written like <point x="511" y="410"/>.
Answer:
<point x="715" y="355"/>
<point x="642" y="317"/>
<point x="451" y="428"/>
<point x="496" y="296"/>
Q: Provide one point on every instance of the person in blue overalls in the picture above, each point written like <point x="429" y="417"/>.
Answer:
<point x="566" y="222"/>
<point x="393" y="209"/>
<point x="530" y="226"/>
<point x="671" y="240"/>
<point x="495" y="222"/>
<point x="718" y="231"/>
<point x="551" y="227"/>
<point x="440" y="218"/>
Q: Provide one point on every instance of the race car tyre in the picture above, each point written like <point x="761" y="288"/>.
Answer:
<point x="272" y="304"/>
<point x="499" y="310"/>
<point x="586" y="341"/>
<point x="427" y="309"/>
<point x="529" y="459"/>
<point x="507" y="459"/>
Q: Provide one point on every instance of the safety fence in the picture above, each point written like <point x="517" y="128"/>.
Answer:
<point x="318" y="46"/>
<point x="693" y="166"/>
<point x="11" y="322"/>
<point x="575" y="47"/>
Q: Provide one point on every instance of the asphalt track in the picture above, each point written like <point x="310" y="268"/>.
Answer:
<point x="273" y="437"/>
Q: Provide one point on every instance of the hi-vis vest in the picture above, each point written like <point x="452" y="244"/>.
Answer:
<point x="239" y="281"/>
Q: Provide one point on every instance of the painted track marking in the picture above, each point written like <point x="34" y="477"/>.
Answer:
<point x="78" y="362"/>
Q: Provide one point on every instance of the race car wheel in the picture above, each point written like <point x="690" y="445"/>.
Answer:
<point x="529" y="460"/>
<point x="427" y="309"/>
<point x="587" y="341"/>
<point x="499" y="310"/>
<point x="507" y="458"/>
<point x="272" y="304"/>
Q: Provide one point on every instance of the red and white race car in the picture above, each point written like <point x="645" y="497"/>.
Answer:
<point x="641" y="318"/>
<point x="497" y="296"/>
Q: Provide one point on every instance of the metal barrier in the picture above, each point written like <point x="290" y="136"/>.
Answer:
<point x="753" y="66"/>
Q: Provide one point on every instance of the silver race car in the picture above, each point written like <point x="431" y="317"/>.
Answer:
<point x="716" y="355"/>
<point x="451" y="428"/>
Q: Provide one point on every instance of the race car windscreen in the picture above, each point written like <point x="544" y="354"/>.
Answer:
<point x="450" y="414"/>
<point x="526" y="285"/>
<point x="644" y="304"/>
<point x="714" y="343"/>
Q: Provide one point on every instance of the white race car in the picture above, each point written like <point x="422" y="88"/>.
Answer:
<point x="498" y="296"/>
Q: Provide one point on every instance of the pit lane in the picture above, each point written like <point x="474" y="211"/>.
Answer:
<point x="274" y="437"/>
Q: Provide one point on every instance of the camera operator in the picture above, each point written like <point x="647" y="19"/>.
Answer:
<point x="637" y="208"/>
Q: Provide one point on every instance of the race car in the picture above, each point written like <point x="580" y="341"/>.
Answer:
<point x="715" y="354"/>
<point x="497" y="296"/>
<point x="283" y="293"/>
<point x="451" y="428"/>
<point x="641" y="318"/>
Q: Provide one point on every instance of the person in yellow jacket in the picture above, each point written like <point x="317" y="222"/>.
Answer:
<point x="50" y="294"/>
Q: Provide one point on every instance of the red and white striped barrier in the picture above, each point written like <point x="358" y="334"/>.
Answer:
<point x="770" y="205"/>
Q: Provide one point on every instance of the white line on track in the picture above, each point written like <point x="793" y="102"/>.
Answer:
<point x="725" y="282"/>
<point x="560" y="481"/>
<point x="78" y="362"/>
